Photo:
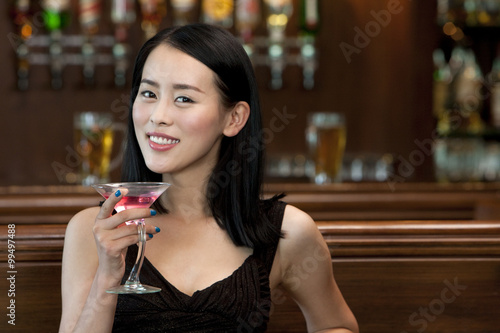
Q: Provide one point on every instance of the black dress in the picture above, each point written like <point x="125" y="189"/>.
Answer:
<point x="239" y="303"/>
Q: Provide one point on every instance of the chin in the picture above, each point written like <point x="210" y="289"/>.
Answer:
<point x="154" y="167"/>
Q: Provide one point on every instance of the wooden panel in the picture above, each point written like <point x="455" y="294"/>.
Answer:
<point x="412" y="201"/>
<point x="424" y="295"/>
<point x="399" y="201"/>
<point x="408" y="295"/>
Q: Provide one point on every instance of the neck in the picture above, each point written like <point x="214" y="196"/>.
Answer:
<point x="186" y="200"/>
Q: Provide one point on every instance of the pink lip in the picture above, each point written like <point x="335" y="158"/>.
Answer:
<point x="158" y="147"/>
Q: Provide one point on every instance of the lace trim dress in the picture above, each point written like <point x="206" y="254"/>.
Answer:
<point x="239" y="303"/>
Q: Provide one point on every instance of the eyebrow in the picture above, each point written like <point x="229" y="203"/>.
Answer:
<point x="176" y="86"/>
<point x="150" y="82"/>
<point x="184" y="86"/>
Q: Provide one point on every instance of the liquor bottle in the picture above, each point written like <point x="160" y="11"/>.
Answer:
<point x="122" y="15"/>
<point x="153" y="12"/>
<point x="453" y="11"/>
<point x="278" y="15"/>
<point x="488" y="12"/>
<point x="56" y="17"/>
<point x="468" y="95"/>
<point x="21" y="14"/>
<point x="309" y="23"/>
<point x="443" y="8"/>
<point x="441" y="91"/>
<point x="309" y="20"/>
<point x="218" y="12"/>
<point x="247" y="18"/>
<point x="90" y="14"/>
<point x="471" y="12"/>
<point x="182" y="11"/>
<point x="493" y="80"/>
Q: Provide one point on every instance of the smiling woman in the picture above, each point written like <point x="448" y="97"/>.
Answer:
<point x="223" y="248"/>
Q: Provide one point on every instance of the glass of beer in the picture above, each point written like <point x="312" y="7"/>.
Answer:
<point x="93" y="136"/>
<point x="326" y="139"/>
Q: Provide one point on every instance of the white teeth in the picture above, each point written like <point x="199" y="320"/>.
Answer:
<point x="162" y="141"/>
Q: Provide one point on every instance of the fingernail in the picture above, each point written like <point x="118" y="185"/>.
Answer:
<point x="118" y="193"/>
<point x="150" y="235"/>
<point x="153" y="212"/>
<point x="157" y="229"/>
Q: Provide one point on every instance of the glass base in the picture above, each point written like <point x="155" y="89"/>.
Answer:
<point x="133" y="288"/>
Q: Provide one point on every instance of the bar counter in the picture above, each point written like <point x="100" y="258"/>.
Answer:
<point x="407" y="257"/>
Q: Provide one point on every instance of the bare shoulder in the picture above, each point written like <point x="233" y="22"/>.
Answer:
<point x="301" y="235"/>
<point x="79" y="240"/>
<point x="81" y="223"/>
<point x="299" y="226"/>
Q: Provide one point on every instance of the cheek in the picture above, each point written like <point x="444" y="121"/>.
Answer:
<point x="138" y="115"/>
<point x="208" y="122"/>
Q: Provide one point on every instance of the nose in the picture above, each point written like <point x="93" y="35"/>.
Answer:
<point x="161" y="115"/>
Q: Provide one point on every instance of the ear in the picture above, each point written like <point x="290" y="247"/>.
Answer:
<point x="237" y="119"/>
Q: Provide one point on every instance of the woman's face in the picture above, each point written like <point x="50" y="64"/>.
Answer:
<point x="177" y="114"/>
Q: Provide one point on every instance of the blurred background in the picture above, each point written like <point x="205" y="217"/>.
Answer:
<point x="394" y="101"/>
<point x="415" y="81"/>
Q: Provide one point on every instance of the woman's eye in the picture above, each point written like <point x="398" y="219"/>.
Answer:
<point x="148" y="94"/>
<point x="183" y="99"/>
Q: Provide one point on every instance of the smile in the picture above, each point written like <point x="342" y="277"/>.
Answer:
<point x="163" y="141"/>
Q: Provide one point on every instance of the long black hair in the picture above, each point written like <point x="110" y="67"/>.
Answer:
<point x="234" y="187"/>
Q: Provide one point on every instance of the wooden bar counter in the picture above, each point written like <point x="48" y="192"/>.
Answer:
<point x="408" y="258"/>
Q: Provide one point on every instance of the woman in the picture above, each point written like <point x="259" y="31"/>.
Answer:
<point x="194" y="123"/>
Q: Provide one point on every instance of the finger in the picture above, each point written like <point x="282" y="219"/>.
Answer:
<point x="132" y="215"/>
<point x="126" y="217"/>
<point x="123" y="232"/>
<point x="109" y="204"/>
<point x="151" y="231"/>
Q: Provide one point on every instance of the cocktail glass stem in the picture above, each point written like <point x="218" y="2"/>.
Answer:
<point x="133" y="279"/>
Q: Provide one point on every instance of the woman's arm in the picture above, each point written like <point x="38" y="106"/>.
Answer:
<point x="93" y="261"/>
<point x="307" y="275"/>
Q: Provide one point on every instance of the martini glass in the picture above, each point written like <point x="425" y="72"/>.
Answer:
<point x="139" y="195"/>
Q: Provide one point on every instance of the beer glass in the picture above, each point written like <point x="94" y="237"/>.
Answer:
<point x="93" y="137"/>
<point x="326" y="139"/>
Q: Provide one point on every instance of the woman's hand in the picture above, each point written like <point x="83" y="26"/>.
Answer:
<point x="113" y="236"/>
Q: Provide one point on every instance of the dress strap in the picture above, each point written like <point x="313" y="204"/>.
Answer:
<point x="275" y="216"/>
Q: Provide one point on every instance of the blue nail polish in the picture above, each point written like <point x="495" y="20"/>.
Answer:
<point x="153" y="212"/>
<point x="150" y="235"/>
<point x="157" y="229"/>
<point x="118" y="193"/>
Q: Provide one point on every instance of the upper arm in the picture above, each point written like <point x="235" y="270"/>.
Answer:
<point x="79" y="265"/>
<point x="307" y="274"/>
